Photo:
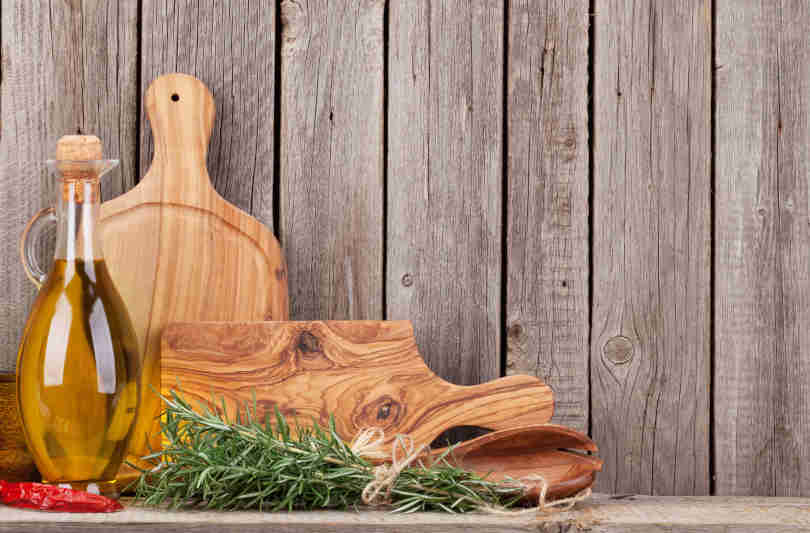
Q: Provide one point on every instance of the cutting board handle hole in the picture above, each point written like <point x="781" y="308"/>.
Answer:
<point x="175" y="97"/>
<point x="458" y="434"/>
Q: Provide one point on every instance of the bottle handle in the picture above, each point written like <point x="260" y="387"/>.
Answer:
<point x="27" y="256"/>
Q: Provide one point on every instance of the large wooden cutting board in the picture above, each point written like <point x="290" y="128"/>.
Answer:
<point x="365" y="373"/>
<point x="176" y="249"/>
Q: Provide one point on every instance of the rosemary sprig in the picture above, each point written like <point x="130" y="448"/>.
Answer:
<point x="216" y="463"/>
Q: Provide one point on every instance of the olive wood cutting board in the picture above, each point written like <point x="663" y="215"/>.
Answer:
<point x="364" y="373"/>
<point x="176" y="249"/>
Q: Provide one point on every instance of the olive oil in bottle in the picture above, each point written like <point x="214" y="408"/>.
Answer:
<point x="77" y="368"/>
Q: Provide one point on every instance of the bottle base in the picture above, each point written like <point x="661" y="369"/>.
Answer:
<point x="108" y="488"/>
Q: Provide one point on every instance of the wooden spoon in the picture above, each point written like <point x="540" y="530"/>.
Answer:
<point x="519" y="453"/>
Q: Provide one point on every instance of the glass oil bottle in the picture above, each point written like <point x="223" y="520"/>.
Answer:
<point x="77" y="366"/>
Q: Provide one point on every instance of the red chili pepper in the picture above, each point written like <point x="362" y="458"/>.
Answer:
<point x="53" y="498"/>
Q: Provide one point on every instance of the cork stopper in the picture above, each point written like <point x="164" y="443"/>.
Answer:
<point x="78" y="148"/>
<point x="73" y="154"/>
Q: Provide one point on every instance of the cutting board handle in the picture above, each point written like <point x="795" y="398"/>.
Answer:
<point x="181" y="113"/>
<point x="502" y="403"/>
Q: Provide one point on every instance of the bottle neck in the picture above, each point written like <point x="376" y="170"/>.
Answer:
<point x="77" y="212"/>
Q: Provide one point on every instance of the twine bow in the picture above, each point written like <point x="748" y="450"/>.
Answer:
<point x="378" y="491"/>
<point x="366" y="444"/>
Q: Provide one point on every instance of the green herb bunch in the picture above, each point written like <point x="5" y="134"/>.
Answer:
<point x="217" y="463"/>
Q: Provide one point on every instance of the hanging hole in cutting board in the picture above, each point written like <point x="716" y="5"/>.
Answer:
<point x="175" y="97"/>
<point x="457" y="434"/>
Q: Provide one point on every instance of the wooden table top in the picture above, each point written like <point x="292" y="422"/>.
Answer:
<point x="603" y="513"/>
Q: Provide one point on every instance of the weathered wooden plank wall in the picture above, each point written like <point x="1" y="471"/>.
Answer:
<point x="547" y="287"/>
<point x="430" y="160"/>
<point x="331" y="176"/>
<point x="650" y="336"/>
<point x="66" y="67"/>
<point x="762" y="249"/>
<point x="445" y="181"/>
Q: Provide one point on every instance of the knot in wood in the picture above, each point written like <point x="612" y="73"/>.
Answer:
<point x="618" y="350"/>
<point x="515" y="330"/>
<point x="308" y="343"/>
<point x="384" y="412"/>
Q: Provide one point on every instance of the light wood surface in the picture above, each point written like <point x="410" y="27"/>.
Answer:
<point x="650" y="334"/>
<point x="365" y="373"/>
<point x="762" y="277"/>
<point x="231" y="47"/>
<point x="176" y="249"/>
<point x="445" y="181"/>
<point x="547" y="286"/>
<point x="331" y="157"/>
<point x="602" y="514"/>
<point x="65" y="67"/>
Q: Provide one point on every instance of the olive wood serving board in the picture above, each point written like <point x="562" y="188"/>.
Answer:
<point x="176" y="249"/>
<point x="364" y="373"/>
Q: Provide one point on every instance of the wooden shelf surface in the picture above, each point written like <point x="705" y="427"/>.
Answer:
<point x="603" y="513"/>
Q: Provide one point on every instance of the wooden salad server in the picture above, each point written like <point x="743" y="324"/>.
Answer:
<point x="364" y="373"/>
<point x="177" y="250"/>
<point x="522" y="452"/>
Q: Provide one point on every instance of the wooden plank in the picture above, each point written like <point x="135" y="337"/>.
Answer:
<point x="445" y="105"/>
<point x="547" y="313"/>
<point x="229" y="46"/>
<point x="66" y="66"/>
<point x="650" y="360"/>
<point x="331" y="182"/>
<point x="603" y="514"/>
<point x="762" y="305"/>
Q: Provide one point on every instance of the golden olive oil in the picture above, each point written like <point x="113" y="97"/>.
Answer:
<point x="77" y="376"/>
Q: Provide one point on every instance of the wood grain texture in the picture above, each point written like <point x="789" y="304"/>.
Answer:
<point x="602" y="514"/>
<point x="547" y="286"/>
<point x="176" y="249"/>
<point x="331" y="182"/>
<point x="16" y="464"/>
<point x="229" y="46"/>
<point x="762" y="266"/>
<point x="556" y="453"/>
<point x="445" y="123"/>
<point x="650" y="342"/>
<point x="365" y="373"/>
<point x="66" y="66"/>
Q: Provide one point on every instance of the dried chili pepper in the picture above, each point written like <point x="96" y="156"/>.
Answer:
<point x="53" y="498"/>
